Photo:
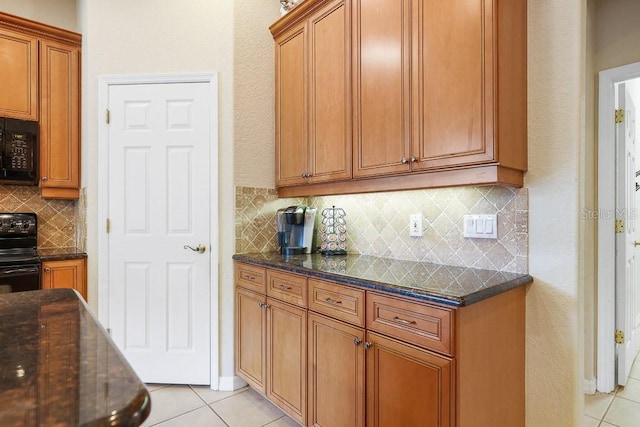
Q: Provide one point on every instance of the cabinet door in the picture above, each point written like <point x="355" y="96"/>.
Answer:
<point x="65" y="274"/>
<point x="408" y="386"/>
<point x="381" y="74"/>
<point x="287" y="358"/>
<point x="59" y="120"/>
<point x="453" y="78"/>
<point x="336" y="373"/>
<point x="251" y="340"/>
<point x="329" y="93"/>
<point x="19" y="75"/>
<point x="292" y="162"/>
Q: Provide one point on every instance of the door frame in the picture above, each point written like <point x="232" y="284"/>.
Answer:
<point x="104" y="82"/>
<point x="606" y="289"/>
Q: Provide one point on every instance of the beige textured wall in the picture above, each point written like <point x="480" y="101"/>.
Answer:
<point x="556" y="87"/>
<point x="254" y="93"/>
<point x="59" y="13"/>
<point x="618" y="31"/>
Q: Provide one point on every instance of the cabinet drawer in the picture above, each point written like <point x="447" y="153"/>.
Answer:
<point x="251" y="277"/>
<point x="337" y="301"/>
<point x="425" y="325"/>
<point x="287" y="287"/>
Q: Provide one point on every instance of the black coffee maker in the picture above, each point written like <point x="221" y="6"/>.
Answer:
<point x="296" y="226"/>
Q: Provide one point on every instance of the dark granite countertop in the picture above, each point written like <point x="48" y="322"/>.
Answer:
<point x="457" y="286"/>
<point x="59" y="254"/>
<point x="59" y="367"/>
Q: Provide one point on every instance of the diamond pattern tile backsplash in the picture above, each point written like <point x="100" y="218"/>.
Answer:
<point x="56" y="218"/>
<point x="378" y="224"/>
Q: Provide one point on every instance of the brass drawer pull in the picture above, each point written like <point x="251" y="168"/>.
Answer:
<point x="403" y="321"/>
<point x="286" y="288"/>
<point x="332" y="301"/>
<point x="246" y="276"/>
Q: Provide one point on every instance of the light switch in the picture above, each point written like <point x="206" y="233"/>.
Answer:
<point x="480" y="226"/>
<point x="488" y="226"/>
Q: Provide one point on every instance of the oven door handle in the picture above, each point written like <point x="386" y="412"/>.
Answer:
<point x="16" y="271"/>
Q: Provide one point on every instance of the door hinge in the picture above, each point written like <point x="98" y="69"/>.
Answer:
<point x="619" y="226"/>
<point x="108" y="117"/>
<point x="619" y="116"/>
<point x="619" y="337"/>
<point x="108" y="225"/>
<point x="109" y="331"/>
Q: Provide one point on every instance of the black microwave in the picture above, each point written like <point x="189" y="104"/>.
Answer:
<point x="18" y="152"/>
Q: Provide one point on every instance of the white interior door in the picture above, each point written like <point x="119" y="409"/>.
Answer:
<point x="159" y="198"/>
<point x="625" y="241"/>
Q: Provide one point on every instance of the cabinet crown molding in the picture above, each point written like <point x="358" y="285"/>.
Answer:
<point x="38" y="29"/>
<point x="299" y="12"/>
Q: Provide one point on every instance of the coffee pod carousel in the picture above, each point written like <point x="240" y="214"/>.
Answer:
<point x="333" y="232"/>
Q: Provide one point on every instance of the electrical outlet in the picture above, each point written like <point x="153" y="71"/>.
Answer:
<point x="415" y="225"/>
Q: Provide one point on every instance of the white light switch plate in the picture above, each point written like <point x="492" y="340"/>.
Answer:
<point x="481" y="226"/>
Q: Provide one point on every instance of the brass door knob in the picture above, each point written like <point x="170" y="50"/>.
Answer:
<point x="200" y="248"/>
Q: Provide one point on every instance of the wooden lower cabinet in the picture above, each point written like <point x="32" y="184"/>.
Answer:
<point x="407" y="386"/>
<point x="287" y="358"/>
<point x="336" y="373"/>
<point x="70" y="273"/>
<point x="251" y="342"/>
<point x="411" y="363"/>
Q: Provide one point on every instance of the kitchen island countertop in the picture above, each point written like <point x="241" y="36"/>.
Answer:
<point x="445" y="284"/>
<point x="59" y="367"/>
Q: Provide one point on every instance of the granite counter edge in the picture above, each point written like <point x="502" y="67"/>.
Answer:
<point x="60" y="254"/>
<point x="469" y="299"/>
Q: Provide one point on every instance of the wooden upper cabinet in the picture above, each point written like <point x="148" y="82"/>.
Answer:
<point x="453" y="90"/>
<point x="59" y="120"/>
<point x="313" y="100"/>
<point x="329" y="93"/>
<point x="291" y="111"/>
<point x="19" y="75"/>
<point x="438" y="96"/>
<point x="40" y="74"/>
<point x="381" y="92"/>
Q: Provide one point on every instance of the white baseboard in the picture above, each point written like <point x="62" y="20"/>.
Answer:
<point x="590" y="386"/>
<point x="230" y="383"/>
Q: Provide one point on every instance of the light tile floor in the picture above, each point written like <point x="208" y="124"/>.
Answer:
<point x="620" y="408"/>
<point x="195" y="406"/>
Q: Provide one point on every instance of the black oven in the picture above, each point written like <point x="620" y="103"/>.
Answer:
<point x="18" y="152"/>
<point x="18" y="278"/>
<point x="19" y="260"/>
